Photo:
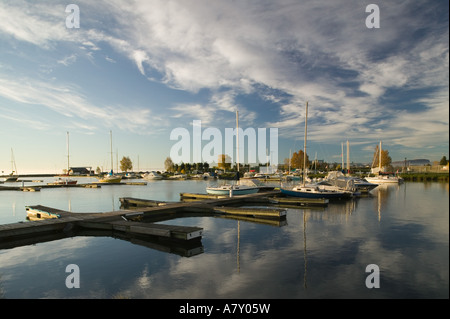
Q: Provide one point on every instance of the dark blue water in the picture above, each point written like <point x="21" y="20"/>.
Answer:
<point x="316" y="253"/>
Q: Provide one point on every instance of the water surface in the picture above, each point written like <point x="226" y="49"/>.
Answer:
<point x="315" y="253"/>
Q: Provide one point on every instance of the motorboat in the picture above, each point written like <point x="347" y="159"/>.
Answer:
<point x="11" y="178"/>
<point x="363" y="185"/>
<point x="350" y="183"/>
<point x="65" y="181"/>
<point x="178" y="176"/>
<point x="152" y="176"/>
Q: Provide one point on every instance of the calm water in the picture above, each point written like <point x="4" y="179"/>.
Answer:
<point x="316" y="253"/>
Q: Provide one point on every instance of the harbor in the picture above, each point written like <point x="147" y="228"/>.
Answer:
<point x="157" y="240"/>
<point x="136" y="214"/>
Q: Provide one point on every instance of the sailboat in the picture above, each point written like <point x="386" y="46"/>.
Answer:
<point x="383" y="178"/>
<point x="233" y="189"/>
<point x="313" y="190"/>
<point x="65" y="181"/>
<point x="13" y="176"/>
<point x="111" y="178"/>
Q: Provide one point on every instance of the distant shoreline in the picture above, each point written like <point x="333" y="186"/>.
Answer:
<point x="45" y="175"/>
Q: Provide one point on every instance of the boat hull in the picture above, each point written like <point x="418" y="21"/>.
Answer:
<point x="110" y="180"/>
<point x="235" y="191"/>
<point x="63" y="182"/>
<point x="388" y="180"/>
<point x="324" y="194"/>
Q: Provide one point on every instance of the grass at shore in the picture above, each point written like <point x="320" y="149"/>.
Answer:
<point x="425" y="177"/>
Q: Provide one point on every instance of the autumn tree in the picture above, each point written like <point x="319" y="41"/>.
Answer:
<point x="297" y="160"/>
<point x="126" y="164"/>
<point x="168" y="164"/>
<point x="224" y="162"/>
<point x="386" y="160"/>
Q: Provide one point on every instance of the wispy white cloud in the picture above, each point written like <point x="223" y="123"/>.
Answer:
<point x="317" y="51"/>
<point x="69" y="102"/>
<point x="67" y="60"/>
<point x="40" y="24"/>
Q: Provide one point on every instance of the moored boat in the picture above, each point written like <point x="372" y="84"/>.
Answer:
<point x="229" y="189"/>
<point x="314" y="191"/>
<point x="37" y="214"/>
<point x="11" y="178"/>
<point x="178" y="176"/>
<point x="349" y="183"/>
<point x="65" y="181"/>
<point x="111" y="179"/>
<point x="383" y="179"/>
<point x="152" y="176"/>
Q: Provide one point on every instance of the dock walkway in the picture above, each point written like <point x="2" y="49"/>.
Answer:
<point x="140" y="216"/>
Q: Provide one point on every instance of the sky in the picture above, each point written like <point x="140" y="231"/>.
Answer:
<point x="145" y="69"/>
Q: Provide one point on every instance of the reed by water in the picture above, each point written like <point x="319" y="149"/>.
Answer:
<point x="425" y="177"/>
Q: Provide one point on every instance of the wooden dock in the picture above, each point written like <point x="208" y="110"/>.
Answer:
<point x="266" y="198"/>
<point x="138" y="221"/>
<point x="34" y="188"/>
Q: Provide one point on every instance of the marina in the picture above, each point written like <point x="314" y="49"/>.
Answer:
<point x="130" y="221"/>
<point x="301" y="250"/>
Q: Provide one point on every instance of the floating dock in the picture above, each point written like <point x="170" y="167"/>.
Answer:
<point x="266" y="198"/>
<point x="35" y="188"/>
<point x="140" y="220"/>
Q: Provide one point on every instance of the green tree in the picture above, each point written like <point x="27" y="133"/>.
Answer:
<point x="443" y="161"/>
<point x="126" y="164"/>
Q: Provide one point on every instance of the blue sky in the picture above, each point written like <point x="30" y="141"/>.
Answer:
<point x="143" y="68"/>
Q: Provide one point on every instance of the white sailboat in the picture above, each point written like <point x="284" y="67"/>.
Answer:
<point x="233" y="189"/>
<point x="383" y="178"/>
<point x="111" y="178"/>
<point x="67" y="180"/>
<point x="313" y="190"/>
<point x="13" y="176"/>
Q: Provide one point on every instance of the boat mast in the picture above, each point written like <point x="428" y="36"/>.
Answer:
<point x="110" y="140"/>
<point x="68" y="164"/>
<point x="304" y="152"/>
<point x="379" y="161"/>
<point x="13" y="163"/>
<point x="348" y="157"/>
<point x="290" y="155"/>
<point x="237" y="140"/>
